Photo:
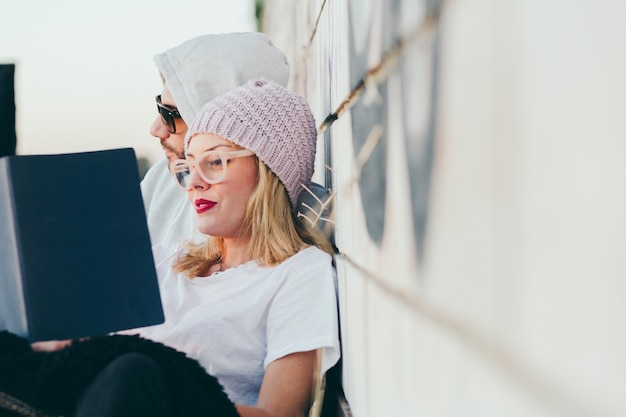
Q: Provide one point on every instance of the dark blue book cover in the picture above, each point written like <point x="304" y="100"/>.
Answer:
<point x="75" y="252"/>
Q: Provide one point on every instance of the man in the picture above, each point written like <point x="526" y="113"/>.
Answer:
<point x="193" y="73"/>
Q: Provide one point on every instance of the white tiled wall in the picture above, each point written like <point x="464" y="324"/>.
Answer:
<point x="518" y="305"/>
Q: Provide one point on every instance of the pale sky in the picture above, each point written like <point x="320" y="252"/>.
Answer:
<point x="85" y="76"/>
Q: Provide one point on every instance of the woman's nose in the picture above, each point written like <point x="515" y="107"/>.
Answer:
<point x="196" y="182"/>
<point x="158" y="128"/>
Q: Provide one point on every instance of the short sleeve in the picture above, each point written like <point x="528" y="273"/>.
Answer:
<point x="303" y="313"/>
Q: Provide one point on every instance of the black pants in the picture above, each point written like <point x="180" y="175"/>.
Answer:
<point x="132" y="385"/>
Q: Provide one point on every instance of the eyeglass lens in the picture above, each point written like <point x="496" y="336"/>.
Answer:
<point x="211" y="167"/>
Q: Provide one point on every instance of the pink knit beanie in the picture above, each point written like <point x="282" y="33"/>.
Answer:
<point x="273" y="122"/>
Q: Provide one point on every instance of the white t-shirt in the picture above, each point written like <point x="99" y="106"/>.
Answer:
<point x="238" y="321"/>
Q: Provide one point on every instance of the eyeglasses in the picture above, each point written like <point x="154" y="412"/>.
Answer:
<point x="168" y="114"/>
<point x="211" y="166"/>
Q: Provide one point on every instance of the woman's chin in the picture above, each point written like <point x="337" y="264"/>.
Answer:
<point x="207" y="230"/>
<point x="209" y="227"/>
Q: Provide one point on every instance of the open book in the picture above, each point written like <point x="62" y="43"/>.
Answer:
<point x="75" y="252"/>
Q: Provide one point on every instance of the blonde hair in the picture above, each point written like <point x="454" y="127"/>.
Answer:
<point x="276" y="231"/>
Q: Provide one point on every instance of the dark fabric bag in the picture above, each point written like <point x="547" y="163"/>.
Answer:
<point x="50" y="383"/>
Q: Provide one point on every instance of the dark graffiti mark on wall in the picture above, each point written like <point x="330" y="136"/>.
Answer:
<point x="419" y="104"/>
<point x="368" y="40"/>
<point x="365" y="118"/>
<point x="377" y="34"/>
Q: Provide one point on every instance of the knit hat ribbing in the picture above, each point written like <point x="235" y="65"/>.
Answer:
<point x="273" y="122"/>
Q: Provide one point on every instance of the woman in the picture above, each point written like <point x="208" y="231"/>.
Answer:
<point x="256" y="304"/>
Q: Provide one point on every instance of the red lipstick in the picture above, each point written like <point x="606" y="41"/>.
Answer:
<point x="204" y="205"/>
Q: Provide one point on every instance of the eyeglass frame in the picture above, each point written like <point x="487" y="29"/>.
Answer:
<point x="225" y="156"/>
<point x="168" y="115"/>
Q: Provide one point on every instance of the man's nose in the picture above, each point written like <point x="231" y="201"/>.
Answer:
<point x="158" y="128"/>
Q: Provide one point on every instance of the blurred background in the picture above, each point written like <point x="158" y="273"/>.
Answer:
<point x="83" y="71"/>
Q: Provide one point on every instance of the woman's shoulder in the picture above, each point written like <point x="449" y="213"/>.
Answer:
<point x="308" y="260"/>
<point x="310" y="254"/>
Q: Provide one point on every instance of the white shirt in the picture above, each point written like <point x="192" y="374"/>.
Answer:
<point x="236" y="322"/>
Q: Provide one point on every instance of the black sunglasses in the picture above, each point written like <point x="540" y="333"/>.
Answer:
<point x="168" y="114"/>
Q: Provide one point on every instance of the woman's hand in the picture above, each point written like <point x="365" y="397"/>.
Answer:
<point x="50" y="345"/>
